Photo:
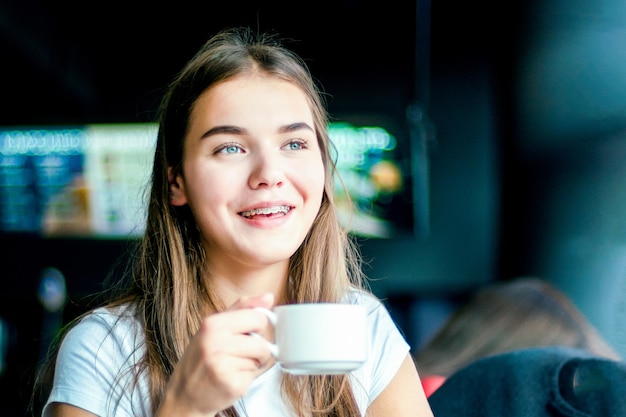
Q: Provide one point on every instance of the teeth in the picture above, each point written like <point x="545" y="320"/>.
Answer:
<point x="266" y="210"/>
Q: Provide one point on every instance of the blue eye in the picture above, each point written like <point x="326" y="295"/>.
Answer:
<point x="295" y="145"/>
<point x="230" y="149"/>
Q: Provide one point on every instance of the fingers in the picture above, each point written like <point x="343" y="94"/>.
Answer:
<point x="223" y="357"/>
<point x="242" y="332"/>
<point x="242" y="318"/>
<point x="244" y="353"/>
<point x="240" y="321"/>
<point x="253" y="347"/>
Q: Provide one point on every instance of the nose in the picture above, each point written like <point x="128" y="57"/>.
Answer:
<point x="267" y="171"/>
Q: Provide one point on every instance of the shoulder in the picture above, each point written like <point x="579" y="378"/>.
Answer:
<point x="377" y="312"/>
<point x="365" y="298"/>
<point x="118" y="320"/>
<point x="96" y="363"/>
<point x="105" y="330"/>
<point x="387" y="349"/>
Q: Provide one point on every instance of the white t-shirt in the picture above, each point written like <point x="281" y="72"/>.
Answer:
<point x="94" y="366"/>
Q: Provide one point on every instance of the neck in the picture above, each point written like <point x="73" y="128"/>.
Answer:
<point x="235" y="283"/>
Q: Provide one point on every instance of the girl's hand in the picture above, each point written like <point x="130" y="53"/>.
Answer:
<point x="221" y="361"/>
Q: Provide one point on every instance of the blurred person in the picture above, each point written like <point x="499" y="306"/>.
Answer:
<point x="241" y="214"/>
<point x="502" y="317"/>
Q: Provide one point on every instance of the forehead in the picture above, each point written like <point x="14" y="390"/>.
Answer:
<point x="250" y="94"/>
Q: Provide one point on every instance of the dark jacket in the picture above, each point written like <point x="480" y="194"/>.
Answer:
<point x="535" y="382"/>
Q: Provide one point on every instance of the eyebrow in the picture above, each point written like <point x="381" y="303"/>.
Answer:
<point x="295" y="126"/>
<point x="234" y="130"/>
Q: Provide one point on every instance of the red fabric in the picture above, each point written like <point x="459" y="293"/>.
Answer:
<point x="431" y="383"/>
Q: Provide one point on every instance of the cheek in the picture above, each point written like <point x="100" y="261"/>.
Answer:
<point x="312" y="180"/>
<point x="207" y="188"/>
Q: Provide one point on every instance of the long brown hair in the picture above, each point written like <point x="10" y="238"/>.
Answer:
<point x="505" y="316"/>
<point x="167" y="279"/>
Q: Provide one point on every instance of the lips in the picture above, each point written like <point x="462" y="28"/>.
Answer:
<point x="266" y="211"/>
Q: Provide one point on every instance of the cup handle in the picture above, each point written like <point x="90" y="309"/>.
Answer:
<point x="271" y="316"/>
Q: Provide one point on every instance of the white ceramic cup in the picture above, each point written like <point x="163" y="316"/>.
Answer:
<point x="319" y="338"/>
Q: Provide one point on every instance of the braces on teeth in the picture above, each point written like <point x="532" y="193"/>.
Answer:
<point x="266" y="210"/>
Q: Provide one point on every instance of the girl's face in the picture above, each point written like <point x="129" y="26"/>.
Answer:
<point x="253" y="174"/>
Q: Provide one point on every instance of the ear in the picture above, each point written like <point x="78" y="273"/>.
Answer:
<point x="177" y="188"/>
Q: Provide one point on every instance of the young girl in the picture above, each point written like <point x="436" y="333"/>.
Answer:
<point x="241" y="215"/>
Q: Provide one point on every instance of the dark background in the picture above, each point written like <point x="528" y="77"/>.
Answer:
<point x="109" y="62"/>
<point x="524" y="105"/>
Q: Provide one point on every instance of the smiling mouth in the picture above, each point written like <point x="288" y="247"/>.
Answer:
<point x="266" y="211"/>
